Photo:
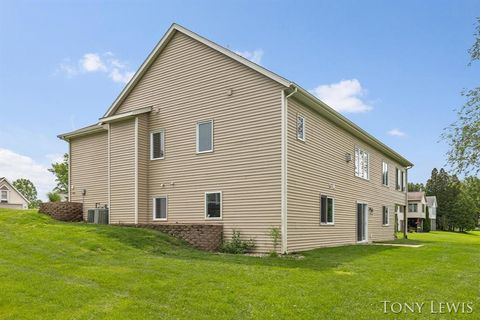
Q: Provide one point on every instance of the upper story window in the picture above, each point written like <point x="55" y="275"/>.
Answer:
<point x="301" y="127"/>
<point x="205" y="136"/>
<point x="157" y="145"/>
<point x="327" y="210"/>
<point x="412" y="207"/>
<point x="213" y="205"/>
<point x="4" y="196"/>
<point x="385" y="173"/>
<point x="385" y="216"/>
<point x="404" y="181"/>
<point x="362" y="169"/>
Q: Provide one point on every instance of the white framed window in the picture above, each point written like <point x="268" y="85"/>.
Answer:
<point x="404" y="180"/>
<point x="385" y="216"/>
<point x="301" y="127"/>
<point x="4" y="196"/>
<point x="160" y="208"/>
<point x="157" y="144"/>
<point x="213" y="205"/>
<point x="412" y="207"/>
<point x="362" y="164"/>
<point x="327" y="210"/>
<point x="205" y="136"/>
<point x="397" y="179"/>
<point x="384" y="173"/>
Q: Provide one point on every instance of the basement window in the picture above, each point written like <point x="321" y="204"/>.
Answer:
<point x="160" y="208"/>
<point x="157" y="145"/>
<point x="213" y="205"/>
<point x="327" y="210"/>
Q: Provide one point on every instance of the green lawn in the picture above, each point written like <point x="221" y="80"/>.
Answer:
<point x="55" y="270"/>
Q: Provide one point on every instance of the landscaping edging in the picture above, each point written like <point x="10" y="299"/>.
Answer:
<point x="207" y="237"/>
<point x="63" y="211"/>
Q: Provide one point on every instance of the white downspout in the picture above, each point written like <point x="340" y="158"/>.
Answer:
<point x="284" y="169"/>
<point x="136" y="170"/>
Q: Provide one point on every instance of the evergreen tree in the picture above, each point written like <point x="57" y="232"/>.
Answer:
<point x="412" y="187"/>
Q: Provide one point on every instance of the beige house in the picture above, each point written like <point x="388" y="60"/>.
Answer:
<point x="417" y="210"/>
<point x="10" y="197"/>
<point x="202" y="135"/>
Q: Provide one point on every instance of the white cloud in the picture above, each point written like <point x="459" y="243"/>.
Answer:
<point x="105" y="63"/>
<point x="254" y="56"/>
<point x="396" y="133"/>
<point x="14" y="166"/>
<point x="91" y="62"/>
<point x="343" y="96"/>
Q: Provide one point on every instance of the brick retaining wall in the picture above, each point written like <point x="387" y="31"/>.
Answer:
<point x="201" y="236"/>
<point x="63" y="211"/>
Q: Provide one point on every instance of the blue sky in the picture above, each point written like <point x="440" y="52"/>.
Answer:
<point x="399" y="66"/>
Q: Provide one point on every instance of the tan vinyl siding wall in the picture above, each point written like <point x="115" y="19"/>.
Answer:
<point x="143" y="161"/>
<point x="122" y="170"/>
<point x="89" y="169"/>
<point x="318" y="166"/>
<point x="188" y="83"/>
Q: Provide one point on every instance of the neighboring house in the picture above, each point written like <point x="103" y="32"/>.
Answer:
<point x="432" y="211"/>
<point x="203" y="135"/>
<point x="417" y="207"/>
<point x="10" y="197"/>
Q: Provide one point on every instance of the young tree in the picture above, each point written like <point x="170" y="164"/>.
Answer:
<point x="60" y="170"/>
<point x="463" y="136"/>
<point x="27" y="188"/>
<point x="427" y="222"/>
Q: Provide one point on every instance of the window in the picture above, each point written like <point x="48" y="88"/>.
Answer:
<point x="205" y="136"/>
<point x="4" y="196"/>
<point x="412" y="207"/>
<point x="327" y="210"/>
<point x="423" y="208"/>
<point x="160" y="208"/>
<point x="385" y="173"/>
<point x="361" y="163"/>
<point x="300" y="127"/>
<point x="404" y="180"/>
<point x="157" y="145"/>
<point x="385" y="216"/>
<point x="213" y="205"/>
<point x="398" y="177"/>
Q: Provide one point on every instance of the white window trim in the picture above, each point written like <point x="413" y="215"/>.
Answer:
<point x="368" y="163"/>
<point x="8" y="195"/>
<point x="388" y="216"/>
<point x="333" y="211"/>
<point x="304" y="128"/>
<point x="205" y="206"/>
<point x="212" y="131"/>
<point x="366" y="220"/>
<point x="162" y="132"/>
<point x="388" y="172"/>
<point x="166" y="208"/>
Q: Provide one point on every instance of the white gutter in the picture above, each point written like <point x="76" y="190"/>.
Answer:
<point x="284" y="170"/>
<point x="122" y="116"/>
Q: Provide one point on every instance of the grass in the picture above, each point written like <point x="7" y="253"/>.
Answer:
<point x="55" y="270"/>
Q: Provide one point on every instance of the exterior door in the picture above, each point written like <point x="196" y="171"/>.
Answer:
<point x="362" y="222"/>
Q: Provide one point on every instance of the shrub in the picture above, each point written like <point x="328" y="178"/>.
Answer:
<point x="237" y="245"/>
<point x="275" y="234"/>
<point x="54" y="197"/>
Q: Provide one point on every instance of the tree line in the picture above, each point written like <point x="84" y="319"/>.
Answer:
<point x="458" y="200"/>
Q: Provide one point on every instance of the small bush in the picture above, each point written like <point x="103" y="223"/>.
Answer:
<point x="275" y="234"/>
<point x="237" y="245"/>
<point x="54" y="197"/>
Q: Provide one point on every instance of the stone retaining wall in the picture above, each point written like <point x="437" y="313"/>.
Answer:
<point x="63" y="211"/>
<point x="207" y="237"/>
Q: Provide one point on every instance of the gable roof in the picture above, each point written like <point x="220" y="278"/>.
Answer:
<point x="416" y="196"/>
<point x="300" y="93"/>
<point x="3" y="179"/>
<point x="431" y="201"/>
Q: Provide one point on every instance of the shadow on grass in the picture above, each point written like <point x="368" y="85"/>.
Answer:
<point x="156" y="243"/>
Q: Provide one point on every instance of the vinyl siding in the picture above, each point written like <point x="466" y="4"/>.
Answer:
<point x="188" y="83"/>
<point x="122" y="171"/>
<point x="89" y="170"/>
<point x="143" y="162"/>
<point x="318" y="166"/>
